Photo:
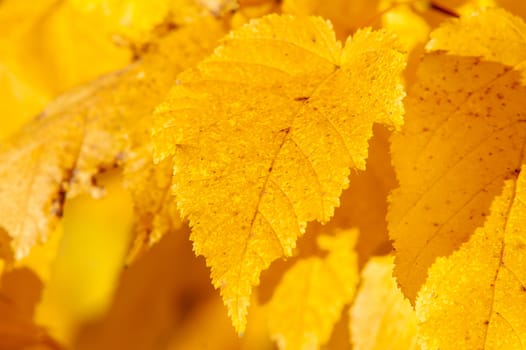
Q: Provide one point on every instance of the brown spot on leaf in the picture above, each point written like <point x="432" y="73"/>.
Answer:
<point x="301" y="98"/>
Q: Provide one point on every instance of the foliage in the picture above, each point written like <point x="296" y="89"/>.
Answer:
<point x="348" y="173"/>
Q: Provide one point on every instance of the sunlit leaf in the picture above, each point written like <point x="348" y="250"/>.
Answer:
<point x="86" y="132"/>
<point x="263" y="135"/>
<point x="310" y="298"/>
<point x="475" y="298"/>
<point x="381" y="318"/>
<point x="465" y="129"/>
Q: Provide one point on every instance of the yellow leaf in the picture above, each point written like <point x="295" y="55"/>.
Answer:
<point x="310" y="298"/>
<point x="149" y="185"/>
<point x="364" y="204"/>
<point x="263" y="135"/>
<point x="475" y="298"/>
<point x="381" y="317"/>
<point x="155" y="209"/>
<point x="363" y="207"/>
<point x="87" y="131"/>
<point x="494" y="34"/>
<point x="464" y="134"/>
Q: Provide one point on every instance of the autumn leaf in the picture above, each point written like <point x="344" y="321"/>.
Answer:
<point x="465" y="140"/>
<point x="311" y="296"/>
<point x="155" y="209"/>
<point x="490" y="269"/>
<point x="149" y="185"/>
<point x="263" y="135"/>
<point x="381" y="318"/>
<point x="282" y="124"/>
<point x="363" y="206"/>
<point x="493" y="34"/>
<point x="85" y="132"/>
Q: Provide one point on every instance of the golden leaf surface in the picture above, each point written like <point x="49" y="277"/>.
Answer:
<point x="263" y="135"/>
<point x="494" y="34"/>
<point x="381" y="317"/>
<point x="311" y="295"/>
<point x="458" y="145"/>
<point x="364" y="204"/>
<point x="475" y="298"/>
<point x="85" y="132"/>
<point x="155" y="209"/>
